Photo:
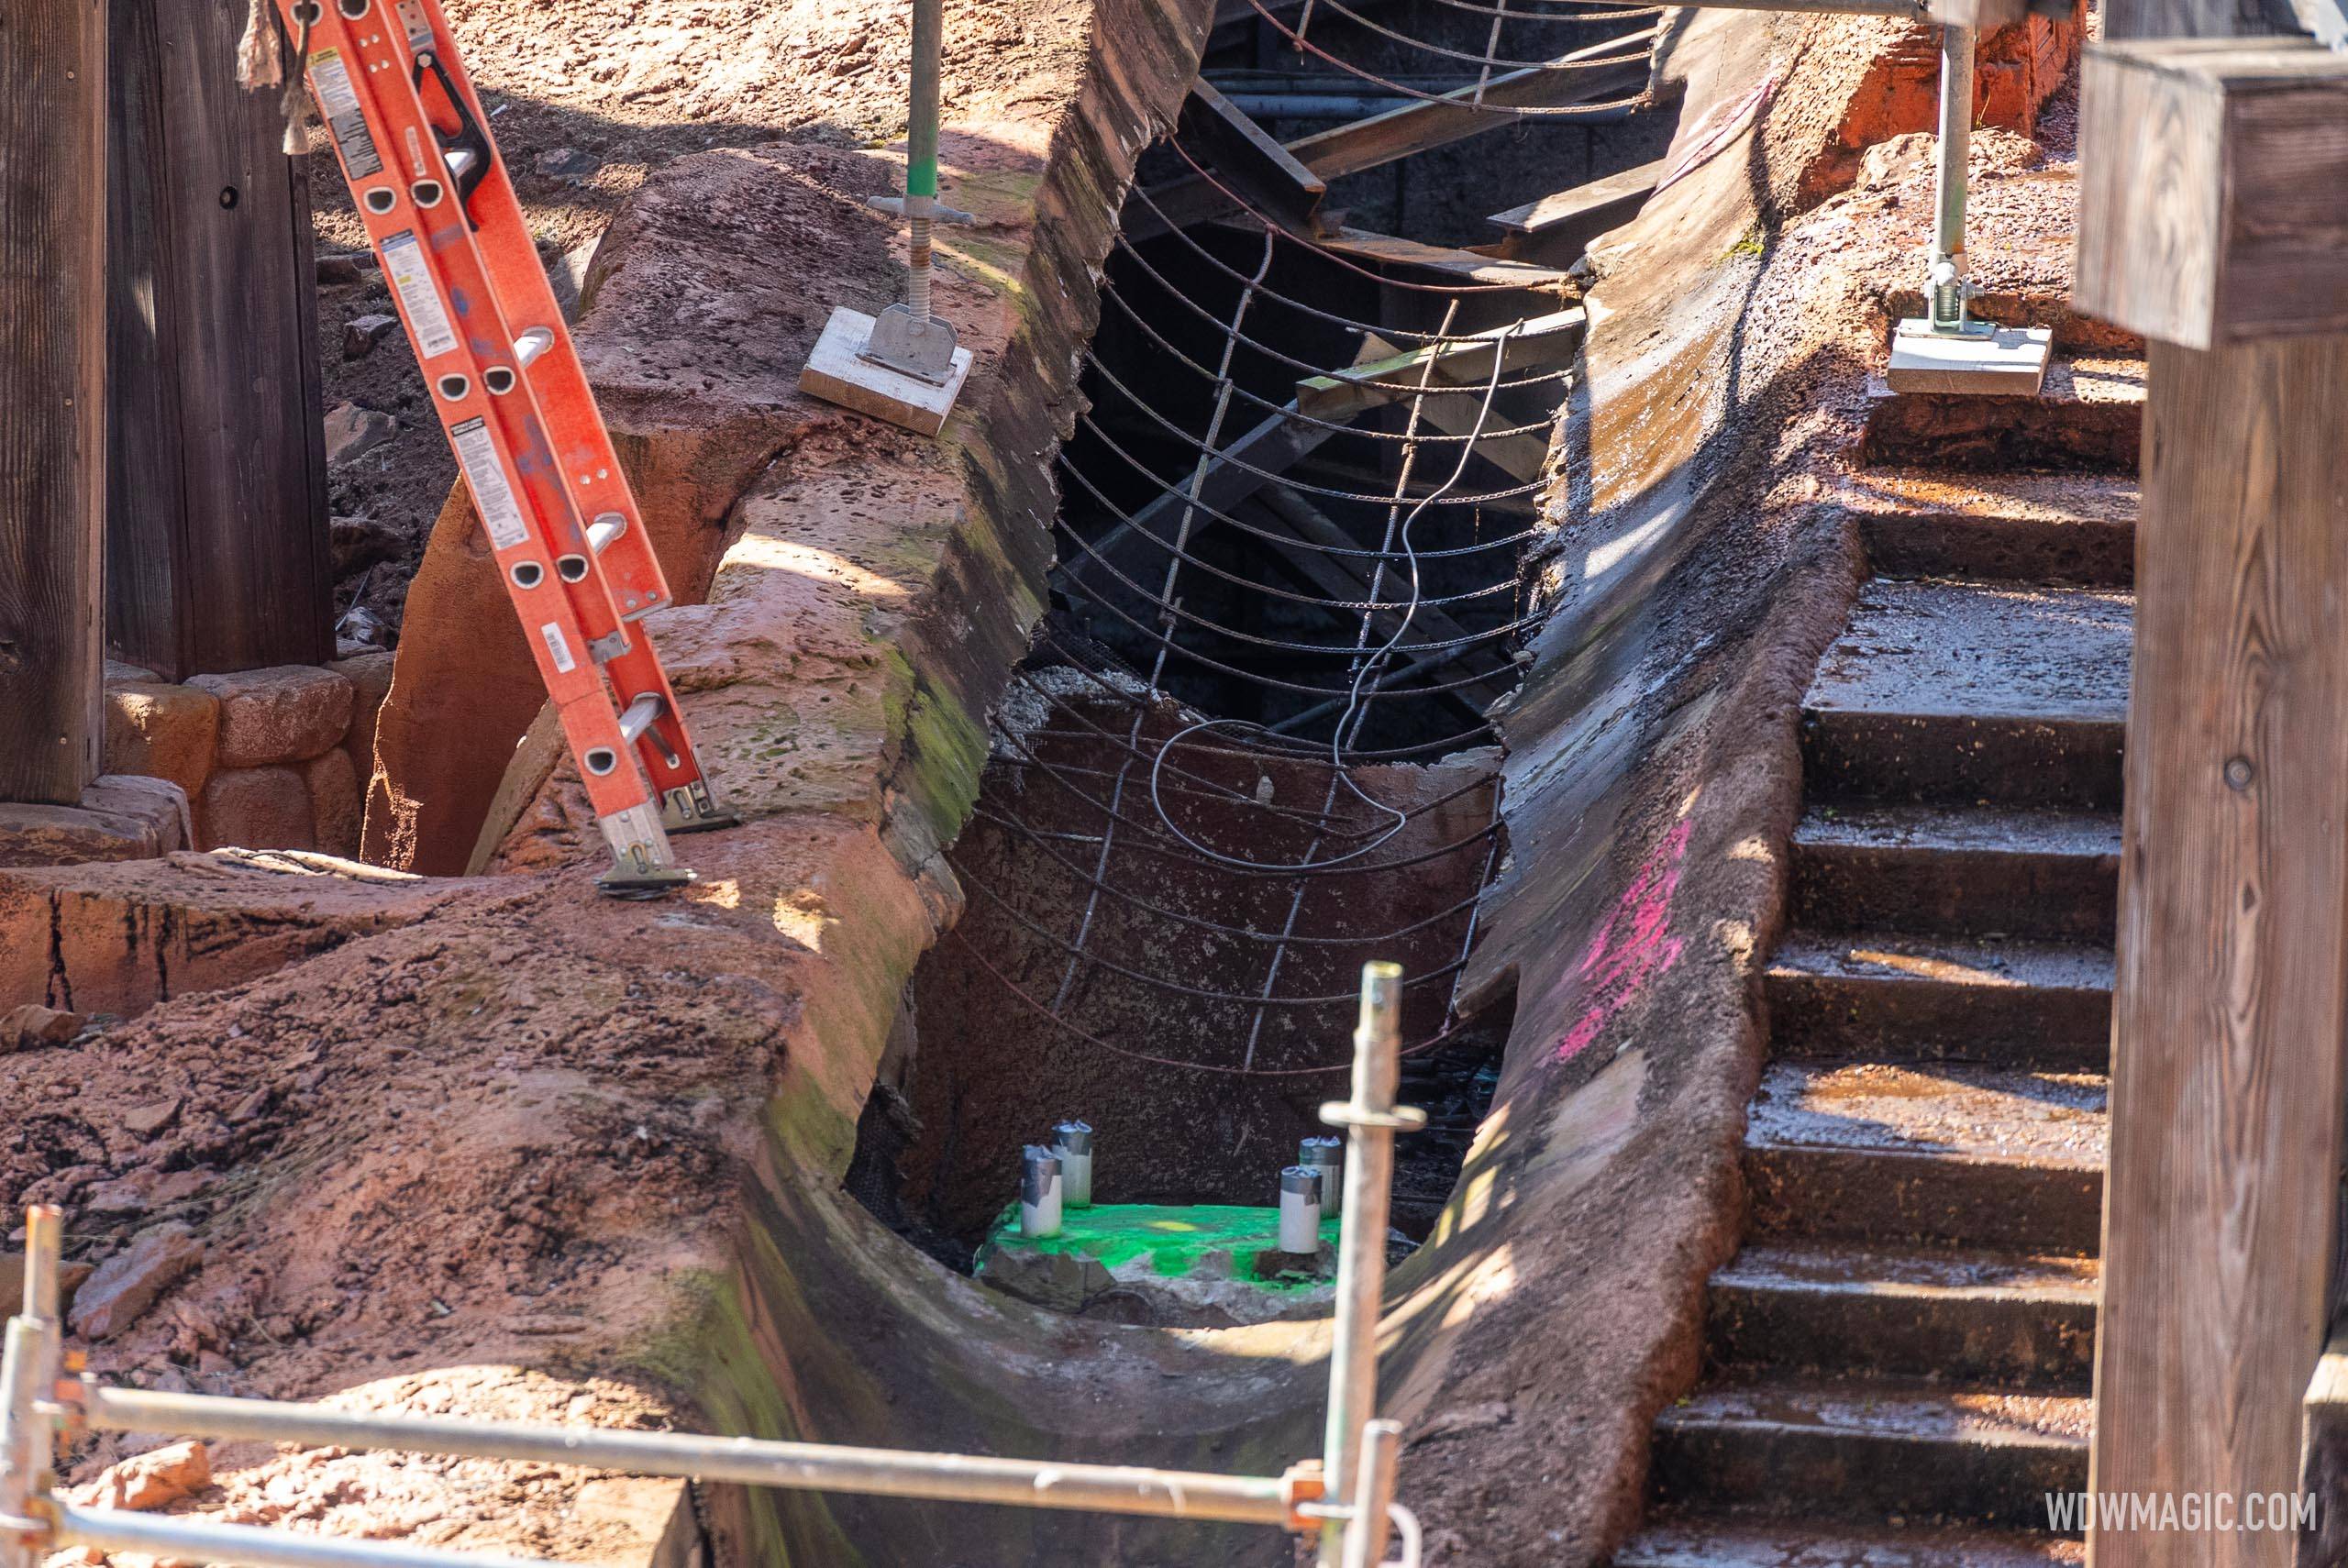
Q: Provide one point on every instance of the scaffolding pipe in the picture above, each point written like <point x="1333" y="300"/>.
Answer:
<point x="1371" y="1120"/>
<point x="1382" y="1456"/>
<point x="169" y="1537"/>
<point x="749" y="1461"/>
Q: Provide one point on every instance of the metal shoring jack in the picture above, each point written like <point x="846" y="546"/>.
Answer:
<point x="1946" y="351"/>
<point x="903" y="365"/>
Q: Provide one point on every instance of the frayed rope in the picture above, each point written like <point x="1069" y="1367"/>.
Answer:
<point x="258" y="65"/>
<point x="261" y="64"/>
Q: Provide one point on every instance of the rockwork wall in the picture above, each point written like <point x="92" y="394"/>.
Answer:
<point x="493" y="1144"/>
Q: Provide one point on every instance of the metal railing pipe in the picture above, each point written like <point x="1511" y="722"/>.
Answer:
<point x="750" y="1461"/>
<point x="172" y="1536"/>
<point x="1382" y="1454"/>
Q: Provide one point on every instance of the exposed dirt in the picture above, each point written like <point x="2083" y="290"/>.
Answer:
<point x="584" y="99"/>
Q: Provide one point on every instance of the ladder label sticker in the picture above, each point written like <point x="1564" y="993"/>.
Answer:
<point x="493" y="496"/>
<point x="558" y="647"/>
<point x="426" y="317"/>
<point x="340" y="105"/>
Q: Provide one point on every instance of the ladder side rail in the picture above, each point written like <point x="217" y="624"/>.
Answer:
<point x="449" y="311"/>
<point x="590" y="466"/>
<point x="622" y="582"/>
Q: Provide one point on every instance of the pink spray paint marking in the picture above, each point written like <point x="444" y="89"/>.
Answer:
<point x="1633" y="944"/>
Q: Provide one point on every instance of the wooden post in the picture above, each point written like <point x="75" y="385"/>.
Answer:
<point x="2212" y="209"/>
<point x="2231" y="1005"/>
<point x="52" y="395"/>
<point x="216" y="535"/>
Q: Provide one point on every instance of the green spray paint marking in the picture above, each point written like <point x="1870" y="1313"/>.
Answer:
<point x="1173" y="1238"/>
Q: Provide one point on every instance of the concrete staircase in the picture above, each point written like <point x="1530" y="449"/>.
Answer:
<point x="1899" y="1361"/>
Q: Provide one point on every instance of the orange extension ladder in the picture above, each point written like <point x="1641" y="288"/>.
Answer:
<point x="570" y="543"/>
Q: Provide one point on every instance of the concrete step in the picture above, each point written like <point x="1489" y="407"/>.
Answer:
<point x="2041" y="1005"/>
<point x="2031" y="873"/>
<point x="1681" y="1539"/>
<point x="1944" y="1156"/>
<point x="1967" y="691"/>
<point x="2002" y="1320"/>
<point x="2087" y="415"/>
<point x="2076" y="529"/>
<point x="1918" y="1452"/>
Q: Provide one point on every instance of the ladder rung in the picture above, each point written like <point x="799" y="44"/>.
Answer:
<point x="535" y="455"/>
<point x="640" y="716"/>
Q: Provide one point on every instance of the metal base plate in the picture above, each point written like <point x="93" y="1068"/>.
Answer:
<point x="1985" y="360"/>
<point x="618" y="884"/>
<point x="919" y="347"/>
<point x="838" y="372"/>
<point x="695" y="810"/>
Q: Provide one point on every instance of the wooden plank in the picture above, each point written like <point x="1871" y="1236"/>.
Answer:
<point x="2324" y="1461"/>
<point x="1247" y="161"/>
<point x="1595" y="75"/>
<point x="1543" y="341"/>
<point x="1444" y="262"/>
<point x="1557" y="228"/>
<point x="1349" y="577"/>
<point x="217" y="521"/>
<point x="2214" y="189"/>
<point x="1598" y="74"/>
<point x="2231" y="1001"/>
<point x="1138" y="548"/>
<point x="52" y="395"/>
<point x="1521" y="456"/>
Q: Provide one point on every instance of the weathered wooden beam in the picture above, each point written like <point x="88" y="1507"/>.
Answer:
<point x="1352" y="576"/>
<point x="1543" y="341"/>
<point x="2230" y="1027"/>
<point x="1557" y="229"/>
<point x="1138" y="548"/>
<point x="52" y="395"/>
<point x="1443" y="263"/>
<point x="1248" y="161"/>
<point x="216" y="537"/>
<point x="2213" y="189"/>
<point x="2323" y="1459"/>
<point x="1598" y="75"/>
<point x="1522" y="456"/>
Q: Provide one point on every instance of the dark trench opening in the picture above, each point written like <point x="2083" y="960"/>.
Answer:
<point x="1250" y="749"/>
